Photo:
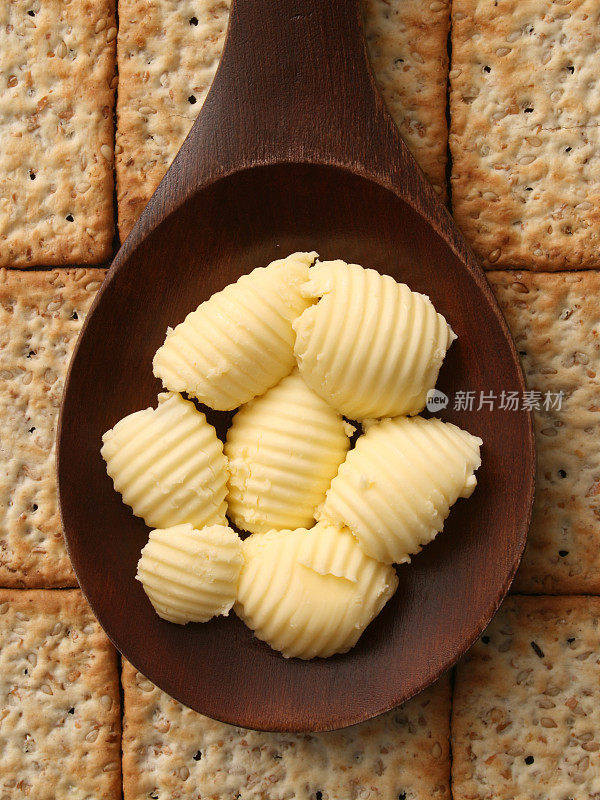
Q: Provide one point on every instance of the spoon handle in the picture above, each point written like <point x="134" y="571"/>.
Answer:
<point x="294" y="80"/>
<point x="295" y="84"/>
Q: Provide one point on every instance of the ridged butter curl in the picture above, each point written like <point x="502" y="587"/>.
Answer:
<point x="396" y="487"/>
<point x="240" y="342"/>
<point x="310" y="593"/>
<point x="284" y="448"/>
<point x="370" y="346"/>
<point x="191" y="575"/>
<point x="168" y="464"/>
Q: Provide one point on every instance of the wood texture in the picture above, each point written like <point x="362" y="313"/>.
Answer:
<point x="168" y="52"/>
<point x="293" y="149"/>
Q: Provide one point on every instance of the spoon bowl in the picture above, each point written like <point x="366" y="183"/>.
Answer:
<point x="233" y="201"/>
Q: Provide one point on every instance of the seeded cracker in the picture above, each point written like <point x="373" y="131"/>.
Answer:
<point x="59" y="700"/>
<point x="41" y="314"/>
<point x="525" y="133"/>
<point x="407" y="42"/>
<point x="526" y="720"/>
<point x="555" y="320"/>
<point x="168" y="51"/>
<point x="57" y="62"/>
<point x="170" y="752"/>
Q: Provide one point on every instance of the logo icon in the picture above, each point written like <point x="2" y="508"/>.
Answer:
<point x="436" y="400"/>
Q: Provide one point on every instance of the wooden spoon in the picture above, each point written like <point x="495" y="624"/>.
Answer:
<point x="294" y="150"/>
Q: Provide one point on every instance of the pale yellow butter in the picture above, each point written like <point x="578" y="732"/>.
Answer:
<point x="311" y="592"/>
<point x="370" y="347"/>
<point x="294" y="347"/>
<point x="283" y="448"/>
<point x="168" y="464"/>
<point x="395" y="488"/>
<point x="191" y="575"/>
<point x="240" y="342"/>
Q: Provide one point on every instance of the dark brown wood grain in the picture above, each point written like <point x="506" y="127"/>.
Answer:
<point x="292" y="150"/>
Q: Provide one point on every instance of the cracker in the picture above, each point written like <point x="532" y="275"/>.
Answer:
<point x="170" y="751"/>
<point x="41" y="314"/>
<point x="526" y="719"/>
<point x="525" y="131"/>
<point x="168" y="51"/>
<point x="407" y="43"/>
<point x="57" y="62"/>
<point x="555" y="321"/>
<point x="60" y="710"/>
